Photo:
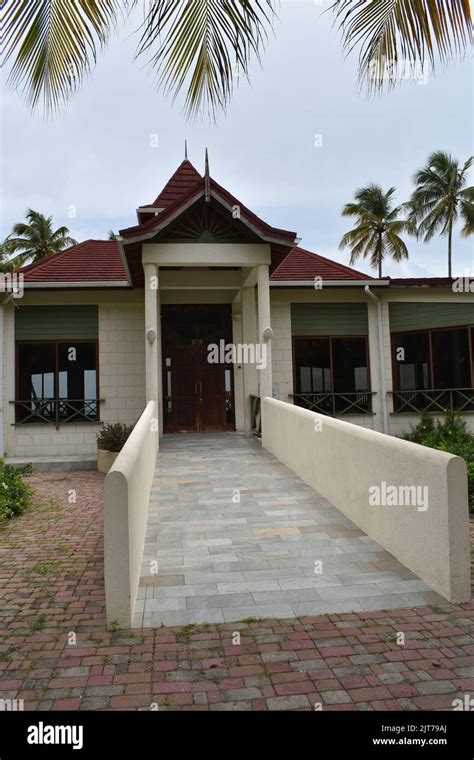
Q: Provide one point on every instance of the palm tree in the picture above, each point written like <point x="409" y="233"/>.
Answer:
<point x="7" y="264"/>
<point x="441" y="197"/>
<point x="36" y="240"/>
<point x="112" y="235"/>
<point x="205" y="45"/>
<point x="378" y="229"/>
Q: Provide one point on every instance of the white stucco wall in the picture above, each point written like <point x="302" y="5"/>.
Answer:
<point x="122" y="363"/>
<point x="282" y="361"/>
<point x="344" y="464"/>
<point x="126" y="499"/>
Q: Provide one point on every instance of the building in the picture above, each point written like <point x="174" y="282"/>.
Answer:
<point x="105" y="326"/>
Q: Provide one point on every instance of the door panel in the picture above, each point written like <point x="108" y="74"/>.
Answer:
<point x="198" y="396"/>
<point x="212" y="388"/>
<point x="181" y="387"/>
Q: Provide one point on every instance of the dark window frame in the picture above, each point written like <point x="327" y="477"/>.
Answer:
<point x="330" y="338"/>
<point x="394" y="336"/>
<point x="429" y="331"/>
<point x="56" y="342"/>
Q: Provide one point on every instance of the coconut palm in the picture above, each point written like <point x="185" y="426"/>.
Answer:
<point x="205" y="45"/>
<point x="7" y="264"/>
<point x="379" y="226"/>
<point x="36" y="240"/>
<point x="441" y="197"/>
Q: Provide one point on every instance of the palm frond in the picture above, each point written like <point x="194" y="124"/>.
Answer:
<point x="466" y="211"/>
<point x="396" y="33"/>
<point x="396" y="247"/>
<point x="436" y="221"/>
<point x="400" y="226"/>
<point x="204" y="45"/>
<point x="54" y="45"/>
<point x="353" y="237"/>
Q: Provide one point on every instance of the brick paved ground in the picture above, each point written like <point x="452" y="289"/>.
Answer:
<point x="51" y="588"/>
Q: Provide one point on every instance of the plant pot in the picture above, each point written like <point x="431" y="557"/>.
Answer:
<point x="105" y="460"/>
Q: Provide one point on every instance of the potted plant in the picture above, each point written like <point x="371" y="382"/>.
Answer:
<point x="110" y="441"/>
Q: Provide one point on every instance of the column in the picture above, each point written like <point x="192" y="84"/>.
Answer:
<point x="249" y="337"/>
<point x="264" y="329"/>
<point x="151" y="333"/>
<point x="159" y="351"/>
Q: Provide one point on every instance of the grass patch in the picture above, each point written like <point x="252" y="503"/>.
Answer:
<point x="43" y="568"/>
<point x="40" y="623"/>
<point x="184" y="636"/>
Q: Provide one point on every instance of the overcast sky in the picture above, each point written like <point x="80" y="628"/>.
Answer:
<point x="97" y="157"/>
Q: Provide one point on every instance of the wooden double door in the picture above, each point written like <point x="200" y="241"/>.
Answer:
<point x="197" y="394"/>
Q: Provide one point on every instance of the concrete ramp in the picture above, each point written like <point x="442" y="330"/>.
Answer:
<point x="233" y="534"/>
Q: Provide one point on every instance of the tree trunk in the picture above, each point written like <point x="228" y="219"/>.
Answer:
<point x="450" y="249"/>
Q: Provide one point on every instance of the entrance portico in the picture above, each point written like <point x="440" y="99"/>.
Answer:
<point x="197" y="246"/>
<point x="188" y="311"/>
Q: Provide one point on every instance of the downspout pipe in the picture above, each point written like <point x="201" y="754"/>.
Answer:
<point x="2" y="391"/>
<point x="383" y="381"/>
<point x="2" y="388"/>
<point x="2" y="385"/>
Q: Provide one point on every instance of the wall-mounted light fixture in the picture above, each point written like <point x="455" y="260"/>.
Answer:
<point x="267" y="334"/>
<point x="151" y="335"/>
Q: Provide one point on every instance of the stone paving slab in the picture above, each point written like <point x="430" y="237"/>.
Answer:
<point x="230" y="519"/>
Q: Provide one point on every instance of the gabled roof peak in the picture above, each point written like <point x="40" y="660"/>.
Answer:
<point x="183" y="179"/>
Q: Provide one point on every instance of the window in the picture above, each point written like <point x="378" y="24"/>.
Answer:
<point x="57" y="381"/>
<point x="313" y="365"/>
<point x="451" y="364"/>
<point x="412" y="356"/>
<point x="438" y="365"/>
<point x="331" y="374"/>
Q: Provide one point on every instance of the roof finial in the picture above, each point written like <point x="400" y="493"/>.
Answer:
<point x="185" y="150"/>
<point x="207" y="182"/>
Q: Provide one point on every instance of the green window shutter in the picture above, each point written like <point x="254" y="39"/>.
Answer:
<point x="56" y="322"/>
<point x="421" y="316"/>
<point x="329" y="319"/>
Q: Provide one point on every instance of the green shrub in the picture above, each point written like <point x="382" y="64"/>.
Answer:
<point x="112" y="436"/>
<point x="15" y="494"/>
<point x="451" y="436"/>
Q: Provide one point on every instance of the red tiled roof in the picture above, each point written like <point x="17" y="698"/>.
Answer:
<point x="178" y="185"/>
<point x="245" y="212"/>
<point x="304" y="265"/>
<point x="193" y="192"/>
<point x="90" y="261"/>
